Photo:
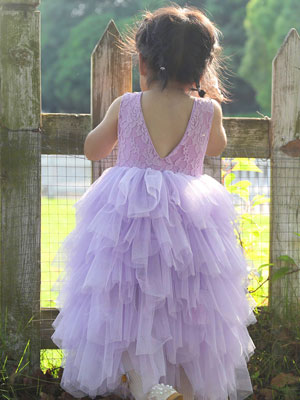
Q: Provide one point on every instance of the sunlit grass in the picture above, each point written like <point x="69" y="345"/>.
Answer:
<point x="50" y="358"/>
<point x="255" y="237"/>
<point x="57" y="221"/>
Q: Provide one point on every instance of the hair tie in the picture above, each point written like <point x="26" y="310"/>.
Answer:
<point x="201" y="92"/>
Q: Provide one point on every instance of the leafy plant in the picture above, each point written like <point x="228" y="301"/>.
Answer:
<point x="254" y="227"/>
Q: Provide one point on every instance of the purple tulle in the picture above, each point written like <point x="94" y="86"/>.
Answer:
<point x="154" y="268"/>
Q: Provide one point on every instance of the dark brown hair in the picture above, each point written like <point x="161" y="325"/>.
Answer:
<point x="179" y="43"/>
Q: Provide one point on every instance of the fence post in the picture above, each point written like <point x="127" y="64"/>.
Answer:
<point x="20" y="179"/>
<point x="213" y="167"/>
<point x="111" y="76"/>
<point x="284" y="292"/>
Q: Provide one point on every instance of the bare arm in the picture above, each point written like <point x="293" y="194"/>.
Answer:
<point x="217" y="137"/>
<point x="100" y="142"/>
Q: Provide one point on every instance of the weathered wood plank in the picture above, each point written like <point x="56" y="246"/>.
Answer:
<point x="20" y="5"/>
<point x="284" y="293"/>
<point x="212" y="166"/>
<point x="247" y="137"/>
<point x="111" y="76"/>
<point x="20" y="197"/>
<point x="44" y="321"/>
<point x="65" y="134"/>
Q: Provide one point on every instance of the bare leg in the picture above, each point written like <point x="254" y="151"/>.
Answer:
<point x="186" y="387"/>
<point x="135" y="386"/>
<point x="135" y="381"/>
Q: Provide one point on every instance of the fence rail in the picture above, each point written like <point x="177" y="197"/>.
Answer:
<point x="65" y="134"/>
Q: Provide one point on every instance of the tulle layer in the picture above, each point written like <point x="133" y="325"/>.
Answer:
<point x="153" y="268"/>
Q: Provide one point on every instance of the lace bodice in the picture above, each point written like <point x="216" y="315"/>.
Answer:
<point x="135" y="147"/>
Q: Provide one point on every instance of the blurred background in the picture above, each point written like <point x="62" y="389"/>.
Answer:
<point x="253" y="31"/>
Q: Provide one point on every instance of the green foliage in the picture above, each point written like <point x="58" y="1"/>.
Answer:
<point x="253" y="227"/>
<point x="241" y="188"/>
<point x="229" y="16"/>
<point x="267" y="23"/>
<point x="70" y="31"/>
<point x="280" y="273"/>
<point x="259" y="199"/>
<point x="289" y="267"/>
<point x="245" y="164"/>
<point x="252" y="33"/>
<point x="57" y="221"/>
<point x="74" y="62"/>
<point x="72" y="28"/>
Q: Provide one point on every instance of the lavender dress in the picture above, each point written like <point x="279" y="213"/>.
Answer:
<point x="154" y="270"/>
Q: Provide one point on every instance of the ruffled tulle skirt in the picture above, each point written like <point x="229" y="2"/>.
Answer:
<point x="153" y="268"/>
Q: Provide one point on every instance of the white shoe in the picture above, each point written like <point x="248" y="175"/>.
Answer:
<point x="160" y="391"/>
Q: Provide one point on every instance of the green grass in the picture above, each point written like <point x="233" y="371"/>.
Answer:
<point x="50" y="358"/>
<point x="57" y="221"/>
<point x="255" y="237"/>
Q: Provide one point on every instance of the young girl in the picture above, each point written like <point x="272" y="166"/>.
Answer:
<point x="155" y="304"/>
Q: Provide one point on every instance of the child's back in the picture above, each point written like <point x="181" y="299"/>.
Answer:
<point x="167" y="116"/>
<point x="145" y="125"/>
<point x="157" y="281"/>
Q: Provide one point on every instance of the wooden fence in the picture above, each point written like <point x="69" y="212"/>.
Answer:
<point x="26" y="133"/>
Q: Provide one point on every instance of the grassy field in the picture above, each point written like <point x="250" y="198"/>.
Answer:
<point x="57" y="221"/>
<point x="255" y="237"/>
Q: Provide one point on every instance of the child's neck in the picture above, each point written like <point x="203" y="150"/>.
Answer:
<point x="171" y="88"/>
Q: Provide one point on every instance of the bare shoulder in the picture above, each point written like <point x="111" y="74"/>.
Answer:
<point x="114" y="108"/>
<point x="218" y="113"/>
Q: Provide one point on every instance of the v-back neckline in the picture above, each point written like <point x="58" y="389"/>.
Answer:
<point x="149" y="137"/>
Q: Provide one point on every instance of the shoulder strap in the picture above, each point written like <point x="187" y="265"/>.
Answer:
<point x="127" y="119"/>
<point x="208" y="109"/>
<point x="122" y="111"/>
